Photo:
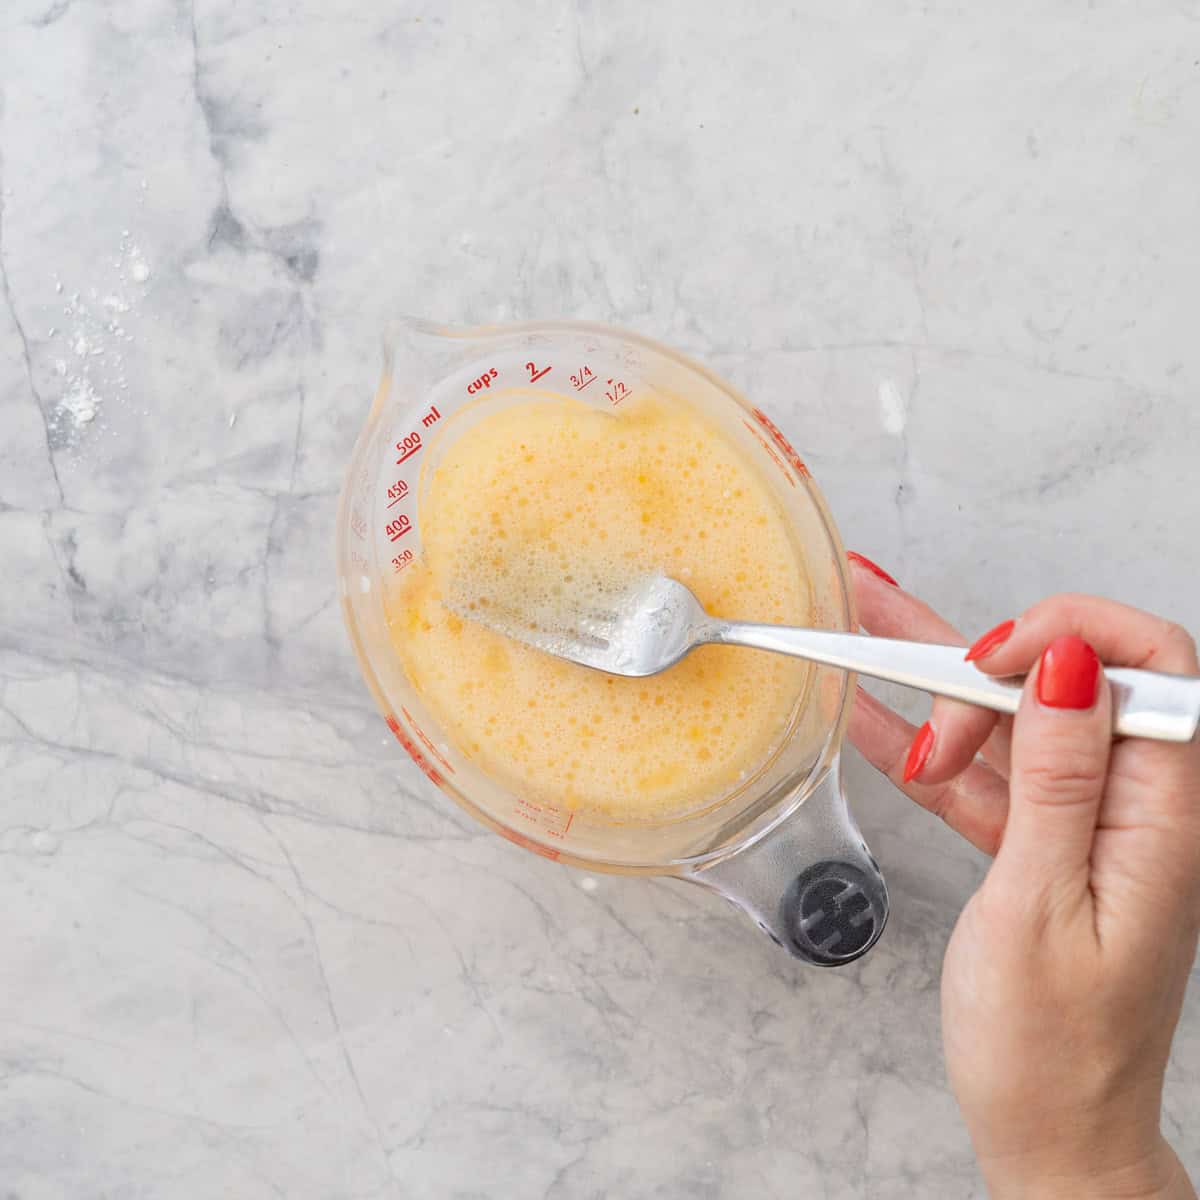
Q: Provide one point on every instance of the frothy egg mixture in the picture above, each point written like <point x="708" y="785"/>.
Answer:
<point x="552" y="498"/>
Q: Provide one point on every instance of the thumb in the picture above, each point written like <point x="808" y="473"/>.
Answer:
<point x="1060" y="746"/>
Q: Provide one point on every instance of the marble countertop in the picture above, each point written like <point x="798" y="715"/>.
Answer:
<point x="246" y="950"/>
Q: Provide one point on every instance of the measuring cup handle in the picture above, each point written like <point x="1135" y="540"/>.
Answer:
<point x="809" y="883"/>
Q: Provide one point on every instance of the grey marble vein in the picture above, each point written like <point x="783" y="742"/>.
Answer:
<point x="246" y="949"/>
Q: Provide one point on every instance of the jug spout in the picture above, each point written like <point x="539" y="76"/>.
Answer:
<point x="419" y="351"/>
<point x="810" y="883"/>
<point x="418" y="355"/>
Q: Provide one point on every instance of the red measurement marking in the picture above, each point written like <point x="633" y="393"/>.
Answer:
<point x="525" y="843"/>
<point x="408" y="447"/>
<point x="534" y="373"/>
<point x="402" y="560"/>
<point x="397" y="492"/>
<point x="548" y="818"/>
<point x="398" y="528"/>
<point x="563" y="832"/>
<point x="425" y="740"/>
<point x="784" y="445"/>
<point x="617" y="391"/>
<point x="431" y="772"/>
<point x="762" y="441"/>
<point x="432" y="417"/>
<point x="484" y="381"/>
<point x="580" y="381"/>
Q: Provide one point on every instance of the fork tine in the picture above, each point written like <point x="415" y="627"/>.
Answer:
<point x="565" y="636"/>
<point x="600" y="616"/>
<point x="576" y="645"/>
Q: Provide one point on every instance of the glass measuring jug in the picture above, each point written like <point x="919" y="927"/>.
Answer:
<point x="782" y="845"/>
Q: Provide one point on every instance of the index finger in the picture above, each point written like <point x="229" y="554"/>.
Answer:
<point x="1121" y="636"/>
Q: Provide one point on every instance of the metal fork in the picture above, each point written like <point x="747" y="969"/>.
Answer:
<point x="650" y="626"/>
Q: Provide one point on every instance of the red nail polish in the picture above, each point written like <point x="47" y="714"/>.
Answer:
<point x="864" y="561"/>
<point x="918" y="752"/>
<point x="1068" y="673"/>
<point x="990" y="640"/>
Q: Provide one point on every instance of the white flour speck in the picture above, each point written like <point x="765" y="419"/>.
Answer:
<point x="893" y="411"/>
<point x="44" y="842"/>
<point x="80" y="404"/>
<point x="139" y="272"/>
<point x="92" y="368"/>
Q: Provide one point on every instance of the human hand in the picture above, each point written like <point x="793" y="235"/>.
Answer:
<point x="1065" y="975"/>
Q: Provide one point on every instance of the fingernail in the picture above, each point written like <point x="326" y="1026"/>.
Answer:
<point x="990" y="640"/>
<point x="1068" y="673"/>
<point x="864" y="561"/>
<point x="918" y="752"/>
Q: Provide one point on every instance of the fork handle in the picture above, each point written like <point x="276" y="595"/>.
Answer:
<point x="1146" y="704"/>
